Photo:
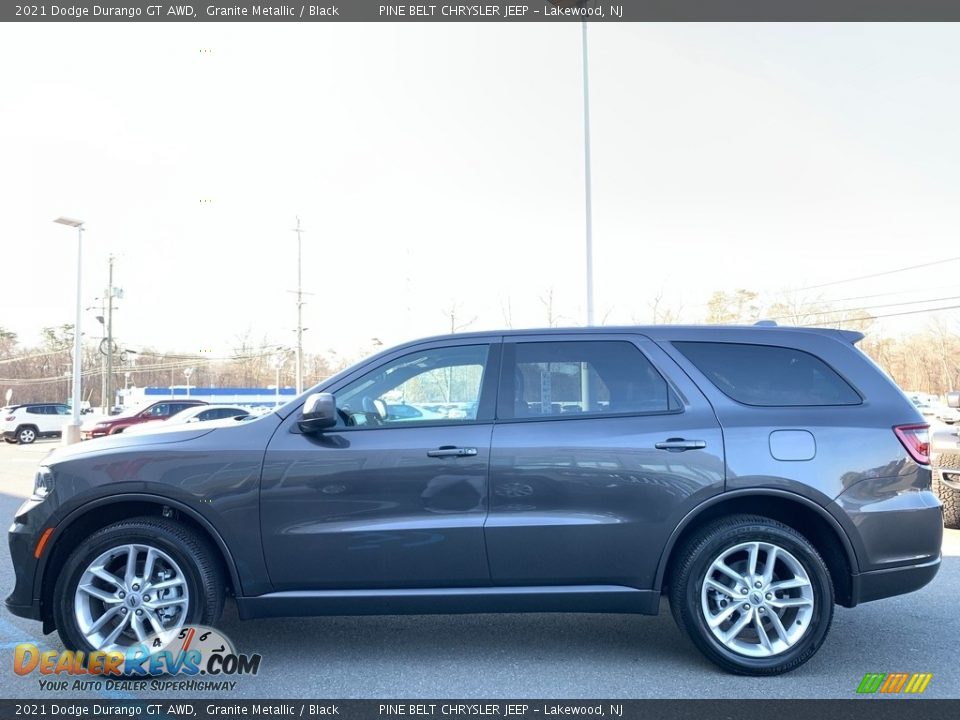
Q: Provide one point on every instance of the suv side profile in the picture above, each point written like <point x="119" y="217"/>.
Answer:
<point x="756" y="476"/>
<point x="157" y="411"/>
<point x="25" y="423"/>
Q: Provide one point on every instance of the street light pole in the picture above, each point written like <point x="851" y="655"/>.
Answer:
<point x="188" y="372"/>
<point x="71" y="431"/>
<point x="588" y="194"/>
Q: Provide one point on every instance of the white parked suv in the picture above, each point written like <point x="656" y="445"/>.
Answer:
<point x="25" y="423"/>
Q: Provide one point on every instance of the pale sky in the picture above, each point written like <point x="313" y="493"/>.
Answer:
<point x="439" y="163"/>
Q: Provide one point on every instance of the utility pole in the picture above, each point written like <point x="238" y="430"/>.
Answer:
<point x="109" y="400"/>
<point x="299" y="232"/>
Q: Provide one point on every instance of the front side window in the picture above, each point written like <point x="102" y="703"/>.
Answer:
<point x="161" y="410"/>
<point x="433" y="385"/>
<point x="769" y="375"/>
<point x="581" y="378"/>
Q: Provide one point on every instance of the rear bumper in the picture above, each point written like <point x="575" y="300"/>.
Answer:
<point x="881" y="584"/>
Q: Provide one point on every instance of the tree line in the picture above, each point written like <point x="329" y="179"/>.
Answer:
<point x="927" y="360"/>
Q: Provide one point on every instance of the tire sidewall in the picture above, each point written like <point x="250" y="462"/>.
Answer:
<point x="819" y="579"/>
<point x="66" y="587"/>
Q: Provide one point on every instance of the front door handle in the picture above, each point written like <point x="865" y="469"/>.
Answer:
<point x="679" y="445"/>
<point x="449" y="451"/>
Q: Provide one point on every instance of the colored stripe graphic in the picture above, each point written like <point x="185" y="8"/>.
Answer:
<point x="892" y="683"/>
<point x="871" y="682"/>
<point x="918" y="683"/>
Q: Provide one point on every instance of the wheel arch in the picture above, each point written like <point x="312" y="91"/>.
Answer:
<point x="803" y="515"/>
<point x="104" y="511"/>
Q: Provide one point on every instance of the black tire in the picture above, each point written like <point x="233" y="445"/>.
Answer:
<point x="10" y="440"/>
<point x="192" y="552"/>
<point x="26" y="434"/>
<point x="710" y="542"/>
<point x="949" y="498"/>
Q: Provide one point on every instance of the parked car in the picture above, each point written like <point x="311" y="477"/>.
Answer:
<point x="945" y="457"/>
<point x="115" y="424"/>
<point x="756" y="476"/>
<point x="947" y="414"/>
<point x="194" y="414"/>
<point x="25" y="423"/>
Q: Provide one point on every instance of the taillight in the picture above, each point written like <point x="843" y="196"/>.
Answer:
<point x="11" y="418"/>
<point x="916" y="439"/>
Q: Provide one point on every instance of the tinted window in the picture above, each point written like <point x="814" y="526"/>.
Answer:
<point x="161" y="410"/>
<point x="434" y="385"/>
<point x="769" y="375"/>
<point x="37" y="410"/>
<point x="581" y="378"/>
<point x="63" y="410"/>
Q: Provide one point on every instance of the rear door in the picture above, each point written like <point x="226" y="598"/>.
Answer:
<point x="601" y="446"/>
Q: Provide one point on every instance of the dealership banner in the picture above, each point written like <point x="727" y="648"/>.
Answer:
<point x="485" y="709"/>
<point x="485" y="10"/>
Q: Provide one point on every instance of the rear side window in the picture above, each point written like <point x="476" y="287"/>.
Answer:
<point x="769" y="375"/>
<point x="581" y="378"/>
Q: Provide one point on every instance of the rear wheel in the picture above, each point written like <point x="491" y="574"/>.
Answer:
<point x="134" y="579"/>
<point x="754" y="595"/>
<point x="26" y="435"/>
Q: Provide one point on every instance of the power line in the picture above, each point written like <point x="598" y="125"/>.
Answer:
<point x="879" y="274"/>
<point x="865" y="307"/>
<point x="875" y="317"/>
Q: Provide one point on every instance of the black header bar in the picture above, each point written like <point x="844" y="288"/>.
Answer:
<point x="483" y="11"/>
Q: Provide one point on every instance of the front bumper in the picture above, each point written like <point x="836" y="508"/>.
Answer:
<point x="29" y="523"/>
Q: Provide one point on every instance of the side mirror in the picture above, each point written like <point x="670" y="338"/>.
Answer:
<point x="319" y="412"/>
<point x="953" y="399"/>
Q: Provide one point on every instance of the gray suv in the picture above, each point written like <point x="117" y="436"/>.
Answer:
<point x="756" y="476"/>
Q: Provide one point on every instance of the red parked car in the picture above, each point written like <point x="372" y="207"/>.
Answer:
<point x="117" y="424"/>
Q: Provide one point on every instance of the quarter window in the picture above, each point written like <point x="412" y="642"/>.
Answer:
<point x="581" y="379"/>
<point x="769" y="375"/>
<point x="434" y="385"/>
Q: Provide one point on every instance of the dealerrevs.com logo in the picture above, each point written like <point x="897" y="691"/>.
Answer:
<point x="187" y="652"/>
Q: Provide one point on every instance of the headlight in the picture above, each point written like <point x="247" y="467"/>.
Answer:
<point x="43" y="482"/>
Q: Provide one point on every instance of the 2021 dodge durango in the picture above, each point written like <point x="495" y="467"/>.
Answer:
<point x="757" y="476"/>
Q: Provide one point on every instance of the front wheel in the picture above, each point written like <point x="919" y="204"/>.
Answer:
<point x="754" y="595"/>
<point x="134" y="579"/>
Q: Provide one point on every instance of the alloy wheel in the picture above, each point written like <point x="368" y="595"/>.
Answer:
<point x="129" y="593"/>
<point x="757" y="599"/>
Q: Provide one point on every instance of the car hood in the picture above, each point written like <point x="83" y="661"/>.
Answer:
<point x="116" y="442"/>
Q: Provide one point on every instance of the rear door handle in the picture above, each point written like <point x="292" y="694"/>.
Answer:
<point x="679" y="445"/>
<point x="448" y="451"/>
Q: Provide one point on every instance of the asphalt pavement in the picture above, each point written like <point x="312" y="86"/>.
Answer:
<point x="548" y="656"/>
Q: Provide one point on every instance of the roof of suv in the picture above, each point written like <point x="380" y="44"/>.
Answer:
<point x="10" y="408"/>
<point x="764" y="328"/>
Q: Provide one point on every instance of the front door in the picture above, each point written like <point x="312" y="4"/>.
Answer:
<point x="395" y="495"/>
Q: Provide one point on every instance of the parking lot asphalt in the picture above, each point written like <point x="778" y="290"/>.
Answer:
<point x="548" y="656"/>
